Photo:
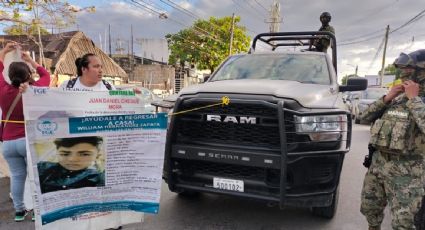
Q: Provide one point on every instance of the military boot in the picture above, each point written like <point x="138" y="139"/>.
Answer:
<point x="374" y="227"/>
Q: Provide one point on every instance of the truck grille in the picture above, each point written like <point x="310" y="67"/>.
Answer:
<point x="193" y="127"/>
<point x="194" y="138"/>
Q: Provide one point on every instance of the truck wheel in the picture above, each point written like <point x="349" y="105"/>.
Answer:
<point x="329" y="211"/>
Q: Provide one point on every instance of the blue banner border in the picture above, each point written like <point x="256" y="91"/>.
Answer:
<point x="100" y="207"/>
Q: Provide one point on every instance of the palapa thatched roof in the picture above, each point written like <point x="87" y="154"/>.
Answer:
<point x="61" y="50"/>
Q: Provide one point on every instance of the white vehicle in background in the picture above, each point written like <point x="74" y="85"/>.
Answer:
<point x="348" y="99"/>
<point x="142" y="93"/>
<point x="161" y="93"/>
<point x="361" y="100"/>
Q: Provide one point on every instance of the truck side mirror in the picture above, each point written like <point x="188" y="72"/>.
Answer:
<point x="354" y="84"/>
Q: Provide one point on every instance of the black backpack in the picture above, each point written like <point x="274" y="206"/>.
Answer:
<point x="71" y="84"/>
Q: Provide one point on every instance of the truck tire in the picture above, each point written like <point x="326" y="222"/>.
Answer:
<point x="327" y="212"/>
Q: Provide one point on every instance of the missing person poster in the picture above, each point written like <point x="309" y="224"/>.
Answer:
<point x="96" y="158"/>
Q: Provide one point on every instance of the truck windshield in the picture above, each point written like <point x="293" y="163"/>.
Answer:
<point x="294" y="67"/>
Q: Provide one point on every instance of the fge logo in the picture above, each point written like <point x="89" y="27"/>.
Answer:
<point x="39" y="90"/>
<point x="47" y="128"/>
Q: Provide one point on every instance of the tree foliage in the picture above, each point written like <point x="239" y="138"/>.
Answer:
<point x="23" y="17"/>
<point x="206" y="43"/>
<point x="391" y="70"/>
<point x="24" y="29"/>
<point x="32" y="17"/>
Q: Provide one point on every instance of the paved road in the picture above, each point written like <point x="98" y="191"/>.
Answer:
<point x="209" y="211"/>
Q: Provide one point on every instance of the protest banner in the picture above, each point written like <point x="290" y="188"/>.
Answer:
<point x="95" y="159"/>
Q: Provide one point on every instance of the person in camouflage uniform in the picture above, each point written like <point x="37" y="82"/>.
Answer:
<point x="322" y="44"/>
<point x="396" y="175"/>
<point x="420" y="217"/>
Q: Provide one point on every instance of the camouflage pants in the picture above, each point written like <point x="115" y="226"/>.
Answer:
<point x="420" y="217"/>
<point x="398" y="182"/>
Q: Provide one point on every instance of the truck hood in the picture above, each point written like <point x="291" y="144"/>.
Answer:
<point x="308" y="95"/>
<point x="367" y="101"/>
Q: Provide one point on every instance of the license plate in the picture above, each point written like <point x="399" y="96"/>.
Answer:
<point x="228" y="184"/>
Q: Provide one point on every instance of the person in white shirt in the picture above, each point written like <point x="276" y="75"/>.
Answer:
<point x="89" y="75"/>
<point x="89" y="78"/>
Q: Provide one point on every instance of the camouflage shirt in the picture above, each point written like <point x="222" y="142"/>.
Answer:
<point x="398" y="126"/>
<point x="324" y="42"/>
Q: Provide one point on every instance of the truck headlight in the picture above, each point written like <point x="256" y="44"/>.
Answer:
<point x="322" y="128"/>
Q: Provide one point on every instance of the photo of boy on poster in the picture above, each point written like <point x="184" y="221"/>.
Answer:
<point x="76" y="165"/>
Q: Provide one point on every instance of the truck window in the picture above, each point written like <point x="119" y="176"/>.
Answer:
<point x="302" y="68"/>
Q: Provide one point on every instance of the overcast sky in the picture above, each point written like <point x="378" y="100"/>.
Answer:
<point x="353" y="20"/>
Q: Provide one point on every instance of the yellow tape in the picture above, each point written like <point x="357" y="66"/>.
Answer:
<point x="11" y="121"/>
<point x="224" y="101"/>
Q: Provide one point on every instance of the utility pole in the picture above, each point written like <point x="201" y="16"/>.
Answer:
<point x="40" y="45"/>
<point x="132" y="56"/>
<point x="100" y="41"/>
<point x="275" y="18"/>
<point x="110" y="47"/>
<point x="381" y="77"/>
<point x="231" y="34"/>
<point x="118" y="46"/>
<point x="357" y="68"/>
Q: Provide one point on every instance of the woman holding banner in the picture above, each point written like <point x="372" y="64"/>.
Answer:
<point x="90" y="78"/>
<point x="13" y="129"/>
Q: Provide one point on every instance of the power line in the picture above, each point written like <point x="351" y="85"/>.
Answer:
<point x="193" y="15"/>
<point x="363" y="36"/>
<point x="356" y="42"/>
<point x="261" y="5"/>
<point x="200" y="30"/>
<point x="410" y="21"/>
<point x="241" y="7"/>
<point x="178" y="7"/>
<point x="157" y="5"/>
<point x="255" y="9"/>
<point x="187" y="12"/>
<point x="373" y="13"/>
<point x="150" y="9"/>
<point x="376" y="55"/>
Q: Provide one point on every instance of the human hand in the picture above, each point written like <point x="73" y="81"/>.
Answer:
<point x="7" y="48"/>
<point x="394" y="92"/>
<point x="411" y="89"/>
<point x="26" y="57"/>
<point x="23" y="87"/>
<point x="10" y="46"/>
